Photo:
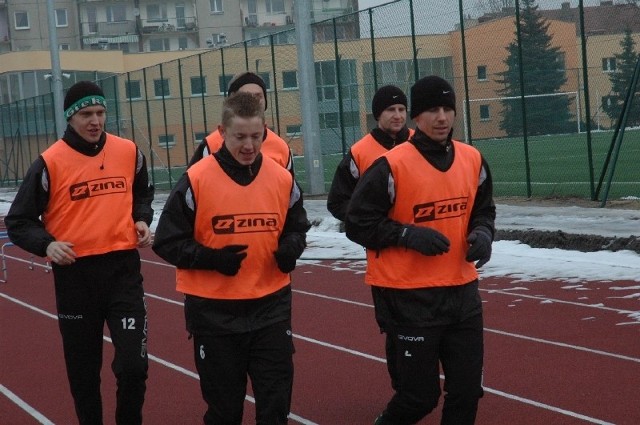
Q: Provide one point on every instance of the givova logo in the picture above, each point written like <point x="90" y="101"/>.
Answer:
<point x="438" y="210"/>
<point x="91" y="188"/>
<point x="245" y="223"/>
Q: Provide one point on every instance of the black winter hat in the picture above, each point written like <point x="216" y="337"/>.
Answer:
<point x="429" y="92"/>
<point x="385" y="97"/>
<point x="247" y="78"/>
<point x="81" y="95"/>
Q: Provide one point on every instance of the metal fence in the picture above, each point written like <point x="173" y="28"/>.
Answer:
<point x="540" y="139"/>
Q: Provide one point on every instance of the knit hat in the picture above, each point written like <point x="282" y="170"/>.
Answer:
<point x="247" y="78"/>
<point x="429" y="92"/>
<point x="81" y="95"/>
<point x="385" y="97"/>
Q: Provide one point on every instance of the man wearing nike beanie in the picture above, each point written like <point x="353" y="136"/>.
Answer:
<point x="85" y="204"/>
<point x="425" y="213"/>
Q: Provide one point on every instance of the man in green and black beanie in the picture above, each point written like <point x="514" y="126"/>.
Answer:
<point x="85" y="204"/>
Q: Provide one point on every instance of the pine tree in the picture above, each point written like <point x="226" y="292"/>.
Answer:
<point x="544" y="73"/>
<point x="621" y="81"/>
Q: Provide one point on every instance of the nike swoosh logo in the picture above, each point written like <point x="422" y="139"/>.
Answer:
<point x="446" y="92"/>
<point x="394" y="97"/>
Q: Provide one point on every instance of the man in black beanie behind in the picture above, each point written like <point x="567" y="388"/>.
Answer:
<point x="273" y="146"/>
<point x="85" y="204"/>
<point x="425" y="213"/>
<point x="389" y="108"/>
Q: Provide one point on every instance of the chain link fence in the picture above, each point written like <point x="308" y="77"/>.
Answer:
<point x="538" y="98"/>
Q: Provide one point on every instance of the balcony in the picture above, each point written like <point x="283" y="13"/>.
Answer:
<point x="108" y="29"/>
<point x="169" y="25"/>
<point x="318" y="15"/>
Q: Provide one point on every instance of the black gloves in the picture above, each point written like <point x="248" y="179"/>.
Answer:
<point x="480" y="240"/>
<point x="227" y="260"/>
<point x="424" y="240"/>
<point x="286" y="257"/>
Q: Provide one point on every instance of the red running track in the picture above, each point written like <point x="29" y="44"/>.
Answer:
<point x="556" y="353"/>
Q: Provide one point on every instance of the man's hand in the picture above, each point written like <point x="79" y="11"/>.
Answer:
<point x="61" y="253"/>
<point x="144" y="234"/>
<point x="479" y="240"/>
<point x="286" y="258"/>
<point x="227" y="260"/>
<point x="425" y="240"/>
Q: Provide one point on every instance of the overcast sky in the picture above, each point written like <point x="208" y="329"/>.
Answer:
<point x="545" y="4"/>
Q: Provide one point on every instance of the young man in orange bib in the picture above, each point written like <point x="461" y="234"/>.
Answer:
<point x="425" y="213"/>
<point x="85" y="203"/>
<point x="234" y="226"/>
<point x="273" y="145"/>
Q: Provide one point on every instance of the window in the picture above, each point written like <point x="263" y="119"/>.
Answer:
<point x="21" y="20"/>
<point x="64" y="46"/>
<point x="275" y="6"/>
<point x="608" y="64"/>
<point x="156" y="12"/>
<point x="216" y="6"/>
<point x="223" y="81"/>
<point x="161" y="88"/>
<point x="484" y="113"/>
<point x="266" y="77"/>
<point x="198" y="86"/>
<point x="183" y="43"/>
<point x="482" y="73"/>
<point x="294" y="130"/>
<point x="290" y="79"/>
<point x="166" y="141"/>
<point x="116" y="13"/>
<point x="198" y="136"/>
<point x="329" y="120"/>
<point x="61" y="18"/>
<point x="159" y="44"/>
<point x="132" y="89"/>
<point x="92" y="16"/>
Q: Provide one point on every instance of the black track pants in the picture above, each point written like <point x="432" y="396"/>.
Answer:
<point x="94" y="290"/>
<point x="459" y="349"/>
<point x="224" y="362"/>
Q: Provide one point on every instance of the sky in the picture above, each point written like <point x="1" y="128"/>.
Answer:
<point x="432" y="16"/>
<point x="509" y="258"/>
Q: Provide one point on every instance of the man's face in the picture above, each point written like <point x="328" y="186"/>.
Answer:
<point x="243" y="138"/>
<point x="89" y="122"/>
<point x="255" y="90"/>
<point x="436" y="122"/>
<point x="393" y="119"/>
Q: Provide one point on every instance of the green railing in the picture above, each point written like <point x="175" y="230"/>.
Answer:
<point x="536" y="98"/>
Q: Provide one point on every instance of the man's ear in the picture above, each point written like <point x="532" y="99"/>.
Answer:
<point x="221" y="130"/>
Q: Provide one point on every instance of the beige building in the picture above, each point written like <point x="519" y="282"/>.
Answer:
<point x="188" y="85"/>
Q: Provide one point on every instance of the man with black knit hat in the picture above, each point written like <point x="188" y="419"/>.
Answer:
<point x="425" y="213"/>
<point x="273" y="146"/>
<point x="389" y="108"/>
<point x="85" y="204"/>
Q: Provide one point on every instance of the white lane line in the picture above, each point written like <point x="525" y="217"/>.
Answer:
<point x="166" y="363"/>
<point x="25" y="406"/>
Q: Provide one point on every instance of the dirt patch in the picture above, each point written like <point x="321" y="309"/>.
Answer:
<point x="562" y="240"/>
<point x="621" y="204"/>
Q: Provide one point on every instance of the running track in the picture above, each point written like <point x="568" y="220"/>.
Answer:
<point x="556" y="353"/>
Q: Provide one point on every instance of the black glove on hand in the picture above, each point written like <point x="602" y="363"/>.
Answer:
<point x="286" y="258"/>
<point x="424" y="240"/>
<point x="480" y="240"/>
<point x="227" y="260"/>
